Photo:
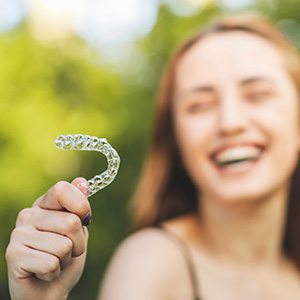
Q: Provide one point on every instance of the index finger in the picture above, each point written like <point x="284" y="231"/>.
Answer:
<point x="65" y="196"/>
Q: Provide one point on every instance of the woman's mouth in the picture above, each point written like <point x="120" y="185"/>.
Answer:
<point x="237" y="158"/>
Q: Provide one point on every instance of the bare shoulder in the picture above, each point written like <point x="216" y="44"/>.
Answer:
<point x="146" y="241"/>
<point x="147" y="249"/>
<point x="155" y="245"/>
<point x="145" y="266"/>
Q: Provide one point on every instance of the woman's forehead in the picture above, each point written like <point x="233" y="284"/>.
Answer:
<point x="231" y="55"/>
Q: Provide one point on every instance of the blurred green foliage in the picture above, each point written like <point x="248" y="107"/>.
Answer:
<point x="67" y="88"/>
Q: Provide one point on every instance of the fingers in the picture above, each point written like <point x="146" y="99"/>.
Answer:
<point x="52" y="243"/>
<point x="60" y="224"/>
<point x="66" y="196"/>
<point x="44" y="254"/>
<point x="25" y="261"/>
<point x="48" y="276"/>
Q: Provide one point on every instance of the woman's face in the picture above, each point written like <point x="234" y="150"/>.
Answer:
<point x="236" y="117"/>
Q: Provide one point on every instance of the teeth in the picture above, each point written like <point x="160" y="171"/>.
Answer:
<point x="237" y="154"/>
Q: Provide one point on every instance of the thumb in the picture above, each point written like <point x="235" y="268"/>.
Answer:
<point x="82" y="184"/>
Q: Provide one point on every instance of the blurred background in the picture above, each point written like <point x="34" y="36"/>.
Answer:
<point x="91" y="67"/>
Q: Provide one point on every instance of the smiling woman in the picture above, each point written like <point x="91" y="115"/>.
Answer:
<point x="219" y="131"/>
<point x="217" y="206"/>
<point x="222" y="170"/>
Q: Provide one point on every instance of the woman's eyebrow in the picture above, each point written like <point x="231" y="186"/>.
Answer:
<point x="196" y="89"/>
<point x="255" y="79"/>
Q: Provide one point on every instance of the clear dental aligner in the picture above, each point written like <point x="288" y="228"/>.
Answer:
<point x="92" y="143"/>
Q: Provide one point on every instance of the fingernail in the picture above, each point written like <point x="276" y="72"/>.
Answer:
<point x="83" y="187"/>
<point x="87" y="220"/>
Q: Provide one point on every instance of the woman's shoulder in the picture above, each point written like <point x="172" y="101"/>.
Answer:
<point x="155" y="241"/>
<point x="147" y="259"/>
<point x="148" y="246"/>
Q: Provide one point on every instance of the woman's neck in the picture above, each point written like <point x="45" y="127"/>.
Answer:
<point x="247" y="234"/>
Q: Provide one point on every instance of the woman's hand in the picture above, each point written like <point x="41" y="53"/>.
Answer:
<point x="47" y="249"/>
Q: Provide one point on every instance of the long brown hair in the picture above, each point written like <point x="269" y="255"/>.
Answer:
<point x="165" y="189"/>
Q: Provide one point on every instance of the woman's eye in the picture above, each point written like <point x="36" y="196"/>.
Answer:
<point x="200" y="106"/>
<point x="259" y="96"/>
<point x="200" y="103"/>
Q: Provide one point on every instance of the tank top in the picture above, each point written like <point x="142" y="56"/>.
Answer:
<point x="187" y="258"/>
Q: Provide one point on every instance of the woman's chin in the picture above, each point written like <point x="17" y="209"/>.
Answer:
<point x="241" y="196"/>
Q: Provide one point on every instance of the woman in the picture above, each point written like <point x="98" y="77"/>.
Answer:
<point x="217" y="206"/>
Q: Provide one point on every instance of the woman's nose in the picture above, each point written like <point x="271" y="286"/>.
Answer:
<point x="232" y="118"/>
